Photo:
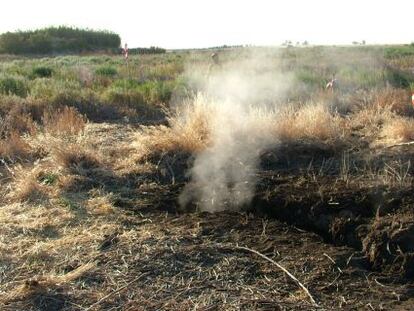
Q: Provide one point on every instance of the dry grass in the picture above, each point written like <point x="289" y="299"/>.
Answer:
<point x="371" y="117"/>
<point x="14" y="147"/>
<point x="313" y="123"/>
<point x="368" y="123"/>
<point x="100" y="203"/>
<point x="44" y="284"/>
<point x="398" y="129"/>
<point x="27" y="186"/>
<point x="397" y="100"/>
<point x="381" y="125"/>
<point x="52" y="246"/>
<point x="188" y="130"/>
<point x="17" y="121"/>
<point x="75" y="158"/>
<point x="66" y="121"/>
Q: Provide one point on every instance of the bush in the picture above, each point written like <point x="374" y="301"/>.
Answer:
<point x="152" y="92"/>
<point x="156" y="92"/>
<point x="51" y="94"/>
<point x="129" y="97"/>
<point x="106" y="71"/>
<point x="129" y="102"/>
<point x="126" y="84"/>
<point x="13" y="86"/>
<point x="56" y="91"/>
<point x="398" y="78"/>
<point x="310" y="78"/>
<point x="42" y="72"/>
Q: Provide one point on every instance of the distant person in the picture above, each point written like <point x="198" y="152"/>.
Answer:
<point x="412" y="99"/>
<point x="332" y="84"/>
<point x="215" y="58"/>
<point x="125" y="51"/>
<point x="215" y="62"/>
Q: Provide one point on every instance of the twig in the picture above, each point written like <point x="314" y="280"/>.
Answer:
<point x="402" y="144"/>
<point x="330" y="284"/>
<point x="284" y="270"/>
<point x="7" y="167"/>
<point x="171" y="172"/>
<point x="115" y="292"/>
<point x="333" y="261"/>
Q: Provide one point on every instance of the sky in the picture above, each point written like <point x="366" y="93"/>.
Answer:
<point x="175" y="24"/>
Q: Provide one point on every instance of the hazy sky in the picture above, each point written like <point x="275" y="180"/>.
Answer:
<point x="204" y="23"/>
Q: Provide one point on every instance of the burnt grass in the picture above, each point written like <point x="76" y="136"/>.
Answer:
<point x="348" y="237"/>
<point x="307" y="187"/>
<point x="308" y="191"/>
<point x="343" y="205"/>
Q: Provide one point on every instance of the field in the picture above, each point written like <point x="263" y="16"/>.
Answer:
<point x="173" y="182"/>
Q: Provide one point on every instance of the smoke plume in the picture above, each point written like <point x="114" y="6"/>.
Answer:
<point x="243" y="96"/>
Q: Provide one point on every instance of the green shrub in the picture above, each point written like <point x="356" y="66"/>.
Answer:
<point x="106" y="71"/>
<point x="151" y="92"/>
<point x="121" y="96"/>
<point x="129" y="102"/>
<point x="310" y="78"/>
<point x="129" y="84"/>
<point x="57" y="94"/>
<point x="42" y="72"/>
<point x="398" y="78"/>
<point x="47" y="88"/>
<point x="13" y="86"/>
<point x="48" y="178"/>
<point x="156" y="92"/>
<point x="351" y="77"/>
<point x="399" y="51"/>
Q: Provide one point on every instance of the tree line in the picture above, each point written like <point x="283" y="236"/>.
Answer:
<point x="54" y="40"/>
<point x="150" y="50"/>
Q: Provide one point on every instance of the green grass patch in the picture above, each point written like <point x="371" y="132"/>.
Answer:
<point x="13" y="86"/>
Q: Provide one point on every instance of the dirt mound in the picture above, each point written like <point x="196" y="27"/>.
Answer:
<point x="389" y="244"/>
<point x="377" y="221"/>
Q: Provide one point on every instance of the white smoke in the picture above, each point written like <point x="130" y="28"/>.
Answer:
<point x="243" y="96"/>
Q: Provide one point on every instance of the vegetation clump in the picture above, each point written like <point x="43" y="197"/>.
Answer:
<point x="107" y="71"/>
<point x="42" y="72"/>
<point x="13" y="86"/>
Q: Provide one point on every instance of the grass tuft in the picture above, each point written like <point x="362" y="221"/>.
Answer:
<point x="66" y="121"/>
